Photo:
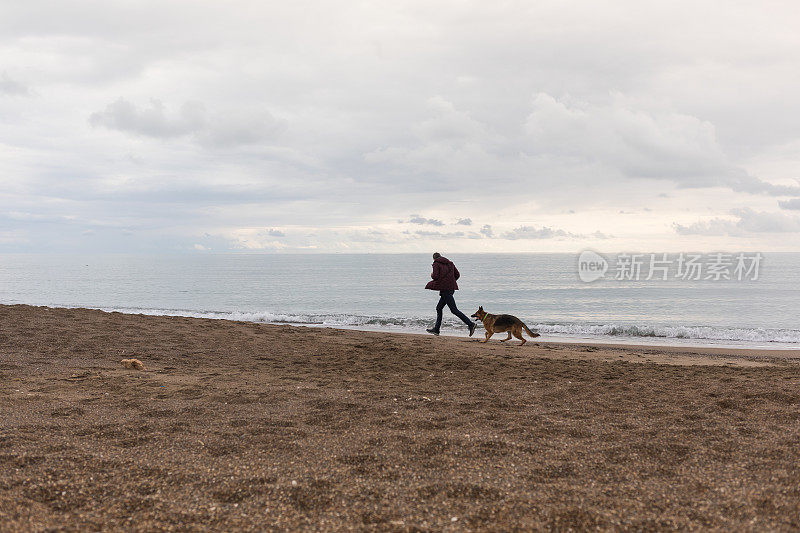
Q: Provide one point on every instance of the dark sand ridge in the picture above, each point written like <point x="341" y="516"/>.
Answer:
<point x="252" y="426"/>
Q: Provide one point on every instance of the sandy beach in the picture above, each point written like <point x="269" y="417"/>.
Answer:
<point x="245" y="426"/>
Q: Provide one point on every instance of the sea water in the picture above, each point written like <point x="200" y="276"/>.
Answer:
<point x="386" y="292"/>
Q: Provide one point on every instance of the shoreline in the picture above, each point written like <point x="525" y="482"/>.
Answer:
<point x="631" y="343"/>
<point x="710" y="346"/>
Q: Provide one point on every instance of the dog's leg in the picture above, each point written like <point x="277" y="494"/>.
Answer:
<point x="507" y="338"/>
<point x="518" y="334"/>
<point x="489" y="333"/>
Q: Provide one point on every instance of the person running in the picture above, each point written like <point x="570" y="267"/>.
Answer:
<point x="444" y="277"/>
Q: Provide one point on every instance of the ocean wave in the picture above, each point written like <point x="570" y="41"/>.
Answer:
<point x="411" y="323"/>
<point x="306" y="319"/>
<point x="673" y="332"/>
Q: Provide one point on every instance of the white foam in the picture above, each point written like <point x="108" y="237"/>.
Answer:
<point x="759" y="335"/>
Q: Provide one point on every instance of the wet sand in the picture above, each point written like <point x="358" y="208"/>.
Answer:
<point x="241" y="426"/>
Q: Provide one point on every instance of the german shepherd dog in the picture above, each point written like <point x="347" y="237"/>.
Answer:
<point x="501" y="323"/>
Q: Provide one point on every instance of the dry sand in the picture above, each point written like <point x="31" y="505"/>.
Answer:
<point x="251" y="426"/>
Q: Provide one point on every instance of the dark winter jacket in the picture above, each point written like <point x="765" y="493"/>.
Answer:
<point x="444" y="275"/>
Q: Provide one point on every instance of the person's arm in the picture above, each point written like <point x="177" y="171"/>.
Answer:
<point x="456" y="273"/>
<point x="435" y="274"/>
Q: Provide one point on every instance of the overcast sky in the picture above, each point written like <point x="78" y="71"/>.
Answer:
<point x="399" y="126"/>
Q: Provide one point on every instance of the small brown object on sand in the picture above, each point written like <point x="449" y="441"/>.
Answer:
<point x="133" y="364"/>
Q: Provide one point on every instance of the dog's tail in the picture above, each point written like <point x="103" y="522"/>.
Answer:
<point x="529" y="332"/>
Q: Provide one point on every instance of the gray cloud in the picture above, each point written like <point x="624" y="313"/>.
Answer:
<point x="416" y="219"/>
<point x="793" y="204"/>
<point x="464" y="222"/>
<point x="230" y="129"/>
<point x="545" y="232"/>
<point x="766" y="222"/>
<point x="637" y="142"/>
<point x="12" y="87"/>
<point x="713" y="227"/>
<point x="151" y="121"/>
<point x="441" y="235"/>
<point x="582" y="142"/>
<point x="747" y="222"/>
<point x="275" y="233"/>
<point x="530" y="232"/>
<point x="486" y="231"/>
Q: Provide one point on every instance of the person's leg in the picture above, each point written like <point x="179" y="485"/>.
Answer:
<point x="439" y="308"/>
<point x="451" y="303"/>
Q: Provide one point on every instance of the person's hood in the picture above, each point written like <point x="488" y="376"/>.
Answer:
<point x="443" y="260"/>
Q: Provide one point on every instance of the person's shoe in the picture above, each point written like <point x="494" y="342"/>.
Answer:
<point x="472" y="328"/>
<point x="432" y="331"/>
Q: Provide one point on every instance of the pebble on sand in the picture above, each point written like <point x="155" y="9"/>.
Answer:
<point x="133" y="364"/>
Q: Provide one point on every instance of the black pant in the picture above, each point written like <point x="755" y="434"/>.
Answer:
<point x="446" y="298"/>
